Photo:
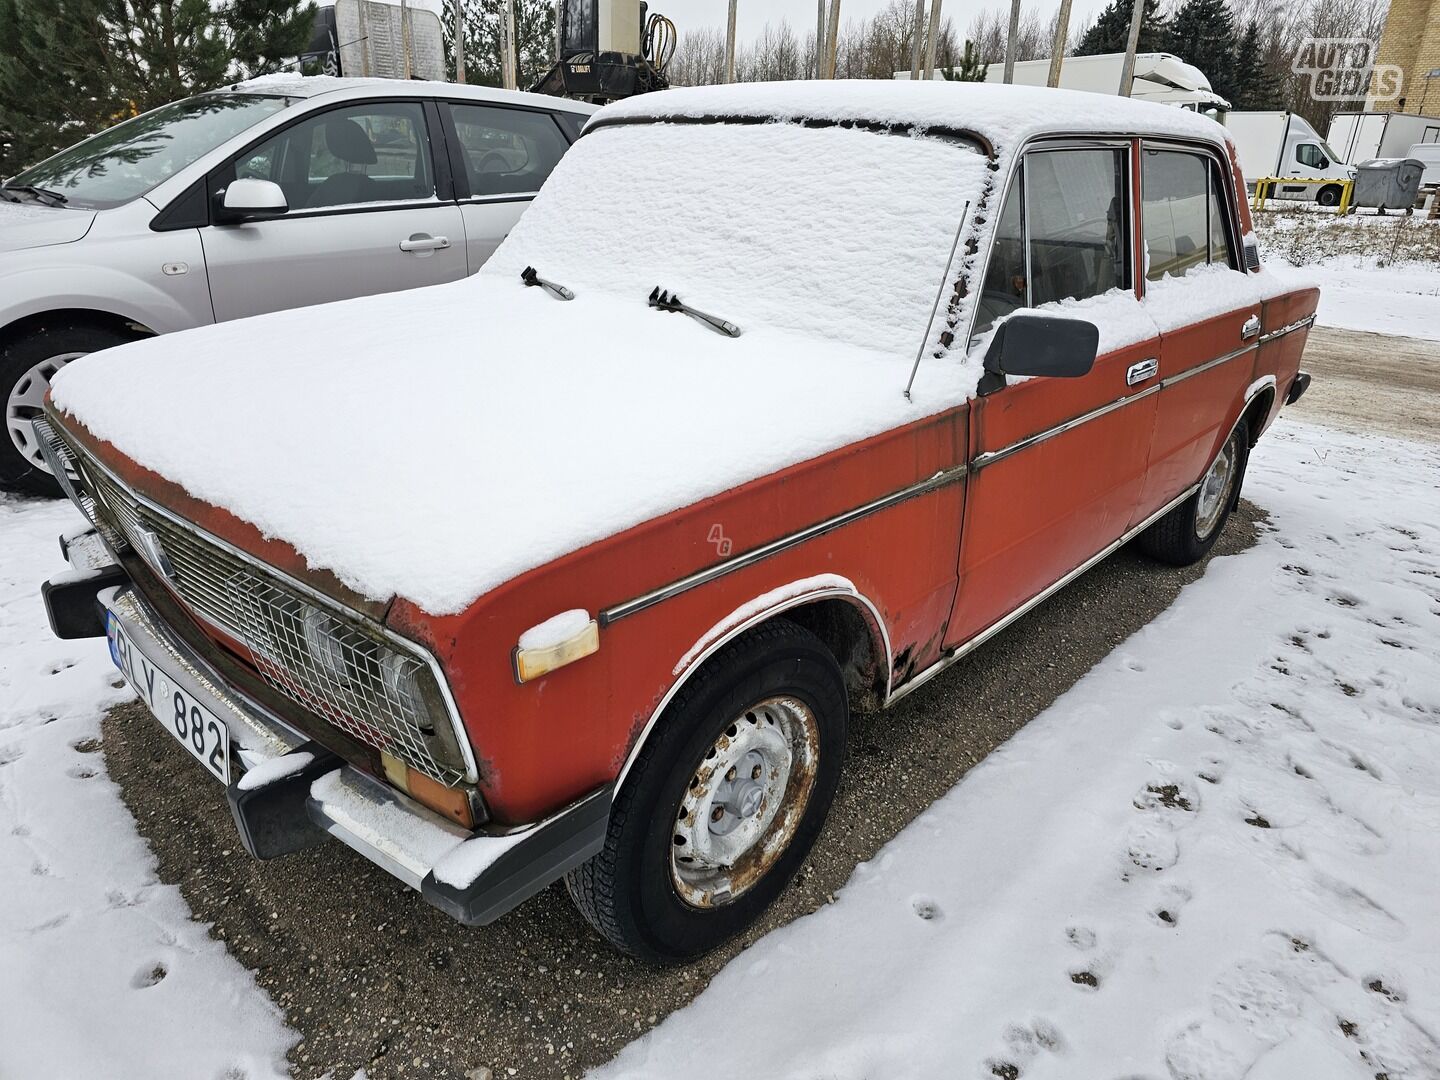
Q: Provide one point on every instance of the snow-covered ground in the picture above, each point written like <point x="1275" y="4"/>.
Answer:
<point x="1216" y="857"/>
<point x="1380" y="274"/>
<point x="102" y="971"/>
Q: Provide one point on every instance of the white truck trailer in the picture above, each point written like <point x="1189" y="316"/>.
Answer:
<point x="1284" y="145"/>
<point x="1361" y="136"/>
<point x="1161" y="77"/>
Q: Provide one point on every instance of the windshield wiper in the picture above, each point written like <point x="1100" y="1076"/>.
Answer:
<point x="39" y="193"/>
<point x="530" y="277"/>
<point x="667" y="301"/>
<point x="7" y="196"/>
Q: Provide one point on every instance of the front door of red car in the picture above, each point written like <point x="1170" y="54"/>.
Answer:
<point x="1058" y="462"/>
<point x="1206" y="363"/>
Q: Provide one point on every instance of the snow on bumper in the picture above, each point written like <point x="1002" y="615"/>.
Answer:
<point x="293" y="793"/>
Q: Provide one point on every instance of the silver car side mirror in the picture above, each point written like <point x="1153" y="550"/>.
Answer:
<point x="250" y="200"/>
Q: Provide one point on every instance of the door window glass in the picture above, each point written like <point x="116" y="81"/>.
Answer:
<point x="1185" y="208"/>
<point x="1220" y="251"/>
<point x="506" y="151"/>
<point x="371" y="153"/>
<point x="1076" y="223"/>
<point x="1005" y="289"/>
<point x="1311" y="155"/>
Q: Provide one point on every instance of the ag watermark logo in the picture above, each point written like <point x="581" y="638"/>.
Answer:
<point x="1344" y="69"/>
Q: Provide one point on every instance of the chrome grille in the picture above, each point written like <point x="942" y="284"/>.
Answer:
<point x="341" y="668"/>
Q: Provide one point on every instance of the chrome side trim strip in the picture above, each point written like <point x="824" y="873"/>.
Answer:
<point x="774" y="547"/>
<point x="1198" y="368"/>
<point x="992" y="456"/>
<point x="967" y="647"/>
<point x="1290" y="329"/>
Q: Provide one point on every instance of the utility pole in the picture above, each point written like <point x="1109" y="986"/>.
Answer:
<point x="405" y="39"/>
<point x="819" y="39"/>
<point x="929" y="72"/>
<point x="510" y="66"/>
<point x="730" y="44"/>
<point x="1010" y="42"/>
<point x="832" y="38"/>
<point x="1127" y="73"/>
<point x="915" y="40"/>
<point x="459" y="41"/>
<point x="1062" y="37"/>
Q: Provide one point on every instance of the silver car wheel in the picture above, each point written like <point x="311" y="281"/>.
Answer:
<point x="24" y="403"/>
<point x="1215" y="489"/>
<point x="744" y="803"/>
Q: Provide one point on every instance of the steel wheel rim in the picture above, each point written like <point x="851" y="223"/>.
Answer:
<point x="1215" y="490"/>
<point x="744" y="802"/>
<point x="24" y="403"/>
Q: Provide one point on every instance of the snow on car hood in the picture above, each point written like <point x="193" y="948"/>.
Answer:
<point x="30" y="225"/>
<point x="435" y="443"/>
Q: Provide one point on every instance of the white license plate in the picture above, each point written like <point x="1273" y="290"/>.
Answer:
<point x="198" y="729"/>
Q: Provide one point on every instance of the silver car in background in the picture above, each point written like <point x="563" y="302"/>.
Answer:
<point x="276" y="193"/>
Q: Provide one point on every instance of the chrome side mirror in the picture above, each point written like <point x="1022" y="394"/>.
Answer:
<point x="249" y="200"/>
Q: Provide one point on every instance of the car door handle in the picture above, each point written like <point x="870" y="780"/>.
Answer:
<point x="424" y="244"/>
<point x="1251" y="328"/>
<point x="1138" y="373"/>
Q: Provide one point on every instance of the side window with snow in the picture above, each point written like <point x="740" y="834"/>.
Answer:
<point x="1183" y="206"/>
<point x="1075" y="218"/>
<point x="1070" y="205"/>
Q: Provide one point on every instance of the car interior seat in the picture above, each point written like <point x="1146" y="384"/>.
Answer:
<point x="346" y="140"/>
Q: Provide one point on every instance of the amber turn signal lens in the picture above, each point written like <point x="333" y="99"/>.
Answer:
<point x="533" y="663"/>
<point x="454" y="803"/>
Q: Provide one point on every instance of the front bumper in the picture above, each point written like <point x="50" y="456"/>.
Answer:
<point x="297" y="793"/>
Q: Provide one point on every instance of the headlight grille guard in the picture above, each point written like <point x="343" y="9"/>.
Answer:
<point x="350" y="671"/>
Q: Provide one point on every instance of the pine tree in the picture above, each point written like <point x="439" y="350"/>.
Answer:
<point x="69" y="68"/>
<point x="1110" y="32"/>
<point x="1202" y="32"/>
<point x="534" y="34"/>
<point x="52" y="79"/>
<point x="972" y="66"/>
<point x="1255" y="87"/>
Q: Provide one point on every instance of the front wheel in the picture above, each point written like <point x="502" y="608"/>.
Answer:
<point x="1186" y="534"/>
<point x="27" y="365"/>
<point x="725" y="800"/>
<point x="1328" y="196"/>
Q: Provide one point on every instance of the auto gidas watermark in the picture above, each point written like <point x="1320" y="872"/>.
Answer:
<point x="1344" y="69"/>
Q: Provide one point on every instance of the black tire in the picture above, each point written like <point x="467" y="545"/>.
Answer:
<point x="628" y="892"/>
<point x="1328" y="196"/>
<point x="1181" y="537"/>
<point x="18" y="359"/>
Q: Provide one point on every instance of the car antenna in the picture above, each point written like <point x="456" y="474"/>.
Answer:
<point x="959" y="228"/>
<point x="530" y="277"/>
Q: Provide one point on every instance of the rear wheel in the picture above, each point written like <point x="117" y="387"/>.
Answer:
<point x="27" y="365"/>
<point x="725" y="800"/>
<point x="1186" y="534"/>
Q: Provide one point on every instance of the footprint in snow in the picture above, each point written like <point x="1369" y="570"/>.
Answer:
<point x="1023" y="1044"/>
<point x="149" y="976"/>
<point x="1151" y="846"/>
<point x="85" y="746"/>
<point x="927" y="908"/>
<point x="80" y="772"/>
<point x="1166" y="911"/>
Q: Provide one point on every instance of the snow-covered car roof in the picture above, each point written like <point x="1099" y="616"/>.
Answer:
<point x="1003" y="116"/>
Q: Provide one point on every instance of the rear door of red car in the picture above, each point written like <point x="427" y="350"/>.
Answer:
<point x="1207" y="362"/>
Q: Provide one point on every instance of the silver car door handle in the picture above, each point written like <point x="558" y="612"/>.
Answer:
<point x="1251" y="328"/>
<point x="424" y="243"/>
<point x="1138" y="373"/>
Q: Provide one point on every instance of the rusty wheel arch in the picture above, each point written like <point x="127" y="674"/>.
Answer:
<point x="846" y="621"/>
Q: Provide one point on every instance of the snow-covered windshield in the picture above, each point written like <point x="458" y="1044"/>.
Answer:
<point x="126" y="161"/>
<point x="831" y="231"/>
